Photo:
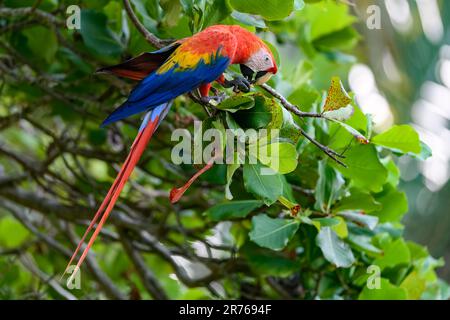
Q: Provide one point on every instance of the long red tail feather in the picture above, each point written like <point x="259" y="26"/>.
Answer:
<point x="100" y="210"/>
<point x="138" y="147"/>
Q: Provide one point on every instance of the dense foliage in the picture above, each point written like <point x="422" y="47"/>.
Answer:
<point x="314" y="229"/>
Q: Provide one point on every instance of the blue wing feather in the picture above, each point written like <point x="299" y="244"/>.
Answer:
<point x="159" y="88"/>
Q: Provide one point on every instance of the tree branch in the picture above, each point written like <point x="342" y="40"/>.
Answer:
<point x="289" y="106"/>
<point x="150" y="37"/>
<point x="28" y="263"/>
<point x="295" y="110"/>
<point x="43" y="16"/>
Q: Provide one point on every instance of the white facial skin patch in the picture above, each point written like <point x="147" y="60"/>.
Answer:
<point x="260" y="61"/>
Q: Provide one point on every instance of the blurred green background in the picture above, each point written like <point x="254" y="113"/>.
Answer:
<point x="406" y="78"/>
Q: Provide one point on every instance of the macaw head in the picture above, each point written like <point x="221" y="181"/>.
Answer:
<point x="260" y="66"/>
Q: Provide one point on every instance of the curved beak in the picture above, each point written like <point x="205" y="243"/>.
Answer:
<point x="262" y="77"/>
<point x="259" y="77"/>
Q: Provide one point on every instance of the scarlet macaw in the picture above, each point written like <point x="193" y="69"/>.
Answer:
<point x="165" y="74"/>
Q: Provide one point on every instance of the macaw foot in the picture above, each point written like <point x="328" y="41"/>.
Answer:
<point x="239" y="83"/>
<point x="214" y="100"/>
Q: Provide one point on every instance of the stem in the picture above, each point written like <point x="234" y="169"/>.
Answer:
<point x="294" y="109"/>
<point x="289" y="106"/>
<point x="331" y="153"/>
<point x="150" y="37"/>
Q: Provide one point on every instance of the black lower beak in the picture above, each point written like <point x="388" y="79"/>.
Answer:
<point x="247" y="72"/>
<point x="259" y="74"/>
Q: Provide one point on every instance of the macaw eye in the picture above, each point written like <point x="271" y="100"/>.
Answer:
<point x="267" y="59"/>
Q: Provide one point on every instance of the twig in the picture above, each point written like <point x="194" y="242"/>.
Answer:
<point x="26" y="221"/>
<point x="331" y="153"/>
<point x="36" y="4"/>
<point x="294" y="109"/>
<point x="43" y="16"/>
<point x="278" y="288"/>
<point x="289" y="106"/>
<point x="105" y="283"/>
<point x="28" y="263"/>
<point x="66" y="212"/>
<point x="150" y="37"/>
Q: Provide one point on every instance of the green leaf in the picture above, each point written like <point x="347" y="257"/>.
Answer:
<point x="394" y="204"/>
<point x="329" y="186"/>
<point x="393" y="171"/>
<point x="345" y="38"/>
<point x="141" y="9"/>
<point x="299" y="78"/>
<point x="387" y="291"/>
<point x="326" y="19"/>
<point x="340" y="228"/>
<point x="268" y="262"/>
<point x="268" y="9"/>
<point x="342" y="133"/>
<point x="262" y="182"/>
<point x="36" y="37"/>
<point x="272" y="233"/>
<point x="96" y="34"/>
<point x="426" y="266"/>
<point x="233" y="209"/>
<point x="327" y="222"/>
<point x="334" y="249"/>
<point x="97" y="136"/>
<point x="237" y="102"/>
<point x="358" y="200"/>
<point x="364" y="168"/>
<point x="279" y="156"/>
<point x="304" y="96"/>
<point x="12" y="232"/>
<point x="78" y="62"/>
<point x="215" y="11"/>
<point x="310" y="222"/>
<point x="394" y="253"/>
<point x="401" y="138"/>
<point x="363" y="243"/>
<point x="363" y="219"/>
<point x="415" y="285"/>
<point x="288" y="128"/>
<point x="355" y="133"/>
<point x="249" y="19"/>
<point x="261" y="115"/>
<point x="339" y="114"/>
<point x="231" y="169"/>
